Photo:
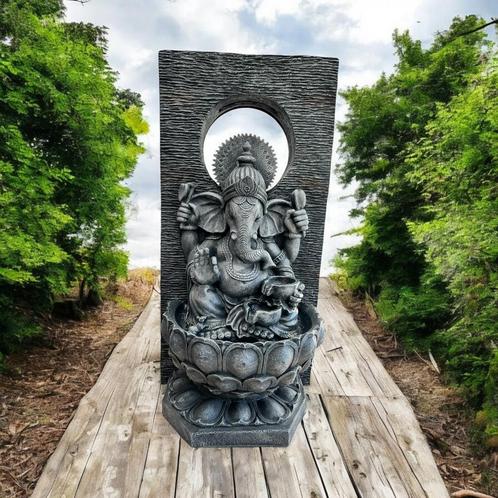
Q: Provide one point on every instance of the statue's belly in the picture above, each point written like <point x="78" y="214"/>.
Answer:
<point x="241" y="283"/>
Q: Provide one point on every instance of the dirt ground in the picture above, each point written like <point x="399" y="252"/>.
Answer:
<point x="441" y="412"/>
<point x="44" y="384"/>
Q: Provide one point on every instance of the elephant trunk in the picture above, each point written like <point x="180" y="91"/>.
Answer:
<point x="243" y="250"/>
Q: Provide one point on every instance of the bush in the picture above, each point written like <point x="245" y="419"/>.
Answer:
<point x="414" y="312"/>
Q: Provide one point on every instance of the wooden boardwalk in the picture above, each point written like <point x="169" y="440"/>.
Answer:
<point x="359" y="437"/>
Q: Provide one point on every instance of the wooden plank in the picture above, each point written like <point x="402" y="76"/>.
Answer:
<point x="74" y="448"/>
<point x="314" y="385"/>
<point x="248" y="473"/>
<point x="351" y="359"/>
<point x="324" y="376"/>
<point x="159" y="474"/>
<point x="291" y="471"/>
<point x="204" y="473"/>
<point x="110" y="448"/>
<point x="345" y="329"/>
<point x="373" y="454"/>
<point x="66" y="465"/>
<point x="372" y="369"/>
<point x="399" y="419"/>
<point x="342" y="362"/>
<point x="353" y="355"/>
<point x="327" y="455"/>
<point x="130" y="464"/>
<point x="344" y="365"/>
<point x="325" y="288"/>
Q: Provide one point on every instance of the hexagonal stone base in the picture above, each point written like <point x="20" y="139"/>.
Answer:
<point x="181" y="408"/>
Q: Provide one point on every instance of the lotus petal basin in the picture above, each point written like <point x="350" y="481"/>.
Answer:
<point x="242" y="369"/>
<point x="250" y="392"/>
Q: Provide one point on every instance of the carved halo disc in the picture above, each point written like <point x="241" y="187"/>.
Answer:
<point x="225" y="159"/>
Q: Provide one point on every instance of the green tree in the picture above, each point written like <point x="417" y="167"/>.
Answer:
<point x="423" y="255"/>
<point x="68" y="139"/>
<point x="456" y="168"/>
<point x="383" y="120"/>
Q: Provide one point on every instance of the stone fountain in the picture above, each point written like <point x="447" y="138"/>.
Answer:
<point x="243" y="337"/>
<point x="242" y="329"/>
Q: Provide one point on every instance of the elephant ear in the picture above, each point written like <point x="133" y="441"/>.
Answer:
<point x="208" y="208"/>
<point x="273" y="221"/>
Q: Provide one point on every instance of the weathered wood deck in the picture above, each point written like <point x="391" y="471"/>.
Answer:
<point x="359" y="437"/>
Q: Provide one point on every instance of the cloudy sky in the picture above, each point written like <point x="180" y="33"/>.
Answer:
<point x="358" y="32"/>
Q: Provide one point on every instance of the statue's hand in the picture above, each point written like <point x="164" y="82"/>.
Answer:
<point x="296" y="221"/>
<point x="297" y="297"/>
<point x="204" y="268"/>
<point x="186" y="216"/>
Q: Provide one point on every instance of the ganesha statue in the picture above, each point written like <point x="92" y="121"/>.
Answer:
<point x="245" y="334"/>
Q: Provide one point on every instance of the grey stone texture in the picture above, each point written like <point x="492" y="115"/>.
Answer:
<point x="239" y="369"/>
<point x="214" y="430"/>
<point x="198" y="87"/>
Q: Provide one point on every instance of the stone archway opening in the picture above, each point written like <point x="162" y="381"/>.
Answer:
<point x="247" y="120"/>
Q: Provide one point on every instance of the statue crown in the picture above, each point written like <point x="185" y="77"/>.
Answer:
<point x="246" y="157"/>
<point x="245" y="179"/>
<point x="245" y="165"/>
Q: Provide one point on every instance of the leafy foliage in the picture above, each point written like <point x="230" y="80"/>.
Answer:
<point x="422" y="146"/>
<point x="68" y="139"/>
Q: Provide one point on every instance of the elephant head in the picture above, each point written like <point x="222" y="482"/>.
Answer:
<point x="246" y="219"/>
<point x="244" y="216"/>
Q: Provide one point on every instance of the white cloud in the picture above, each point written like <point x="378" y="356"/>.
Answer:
<point x="215" y="23"/>
<point x="360" y="21"/>
<point x="143" y="226"/>
<point x="267" y="11"/>
<point x="373" y="22"/>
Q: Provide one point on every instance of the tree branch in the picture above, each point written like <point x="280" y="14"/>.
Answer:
<point x="493" y="21"/>
<point x="467" y="493"/>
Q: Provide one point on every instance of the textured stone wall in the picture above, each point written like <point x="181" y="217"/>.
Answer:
<point x="195" y="89"/>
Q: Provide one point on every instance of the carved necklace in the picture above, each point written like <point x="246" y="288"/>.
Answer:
<point x="237" y="275"/>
